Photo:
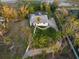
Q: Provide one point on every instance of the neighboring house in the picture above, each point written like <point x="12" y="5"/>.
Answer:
<point x="8" y="1"/>
<point x="68" y="4"/>
<point x="65" y="4"/>
<point x="2" y="21"/>
<point x="48" y="1"/>
<point x="41" y="21"/>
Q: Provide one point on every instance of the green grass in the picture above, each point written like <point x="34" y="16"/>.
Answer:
<point x="43" y="38"/>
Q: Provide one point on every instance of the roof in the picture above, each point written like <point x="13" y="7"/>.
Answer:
<point x="48" y="1"/>
<point x="2" y="19"/>
<point x="9" y="1"/>
<point x="64" y="4"/>
<point x="43" y="20"/>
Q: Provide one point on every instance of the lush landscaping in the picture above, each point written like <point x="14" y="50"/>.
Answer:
<point x="44" y="38"/>
<point x="17" y="35"/>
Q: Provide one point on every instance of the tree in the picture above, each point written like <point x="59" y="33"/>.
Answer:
<point x="2" y="31"/>
<point x="0" y="10"/>
<point x="54" y="6"/>
<point x="42" y="6"/>
<point x="56" y="2"/>
<point x="47" y="8"/>
<point x="9" y="13"/>
<point x="31" y="9"/>
<point x="7" y="40"/>
<point x="75" y="25"/>
<point x="23" y="11"/>
<point x="64" y="12"/>
<point x="76" y="42"/>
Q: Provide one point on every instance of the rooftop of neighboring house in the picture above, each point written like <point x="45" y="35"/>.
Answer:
<point x="48" y="1"/>
<point x="2" y="19"/>
<point x="9" y="1"/>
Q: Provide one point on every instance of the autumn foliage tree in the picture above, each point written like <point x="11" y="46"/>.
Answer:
<point x="23" y="11"/>
<point x="9" y="13"/>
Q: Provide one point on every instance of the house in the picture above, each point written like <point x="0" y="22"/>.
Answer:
<point x="48" y="1"/>
<point x="65" y="4"/>
<point x="2" y="21"/>
<point x="41" y="21"/>
<point x="8" y="1"/>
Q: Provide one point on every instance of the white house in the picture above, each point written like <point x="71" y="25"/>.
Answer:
<point x="42" y="22"/>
